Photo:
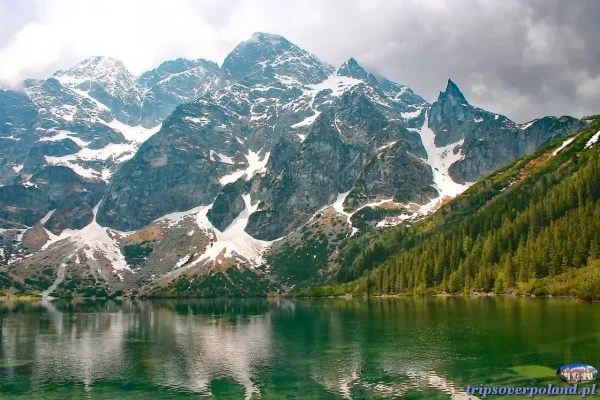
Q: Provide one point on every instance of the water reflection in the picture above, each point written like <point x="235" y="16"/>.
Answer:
<point x="175" y="344"/>
<point x="81" y="348"/>
<point x="339" y="348"/>
<point x="215" y="347"/>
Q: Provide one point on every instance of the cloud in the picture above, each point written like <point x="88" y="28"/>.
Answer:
<point x="521" y="59"/>
<point x="140" y="33"/>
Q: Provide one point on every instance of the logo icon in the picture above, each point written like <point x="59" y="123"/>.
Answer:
<point x="577" y="373"/>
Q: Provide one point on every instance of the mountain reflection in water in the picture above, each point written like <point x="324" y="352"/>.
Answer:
<point x="336" y="348"/>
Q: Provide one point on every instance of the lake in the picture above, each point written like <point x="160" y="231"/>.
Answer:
<point x="278" y="348"/>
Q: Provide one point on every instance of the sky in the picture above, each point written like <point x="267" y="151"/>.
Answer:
<point x="524" y="59"/>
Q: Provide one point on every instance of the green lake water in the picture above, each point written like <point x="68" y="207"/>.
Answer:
<point x="415" y="348"/>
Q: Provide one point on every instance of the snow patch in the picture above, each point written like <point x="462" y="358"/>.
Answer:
<point x="200" y="121"/>
<point x="72" y="162"/>
<point x="183" y="260"/>
<point x="11" y="137"/>
<point x="221" y="157"/>
<point x="387" y="145"/>
<point x="234" y="238"/>
<point x="338" y="204"/>
<point x="336" y="83"/>
<point x="62" y="134"/>
<point x="411" y="114"/>
<point x="96" y="237"/>
<point x="440" y="159"/>
<point x="593" y="140"/>
<point x="46" y="217"/>
<point x="231" y="242"/>
<point x="117" y="152"/>
<point x="255" y="164"/>
<point x="136" y="134"/>
<point x="86" y="95"/>
<point x="527" y="124"/>
<point x="174" y="218"/>
<point x="562" y="146"/>
<point x="258" y="117"/>
<point x="393" y="220"/>
<point x="92" y="238"/>
<point x="69" y="112"/>
<point x="307" y="121"/>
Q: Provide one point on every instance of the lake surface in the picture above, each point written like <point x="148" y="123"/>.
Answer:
<point x="278" y="349"/>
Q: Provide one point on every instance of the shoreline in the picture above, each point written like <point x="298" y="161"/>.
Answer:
<point x="349" y="296"/>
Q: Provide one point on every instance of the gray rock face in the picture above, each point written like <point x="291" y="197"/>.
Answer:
<point x="228" y="204"/>
<point x="545" y="130"/>
<point x="173" y="83"/>
<point x="352" y="69"/>
<point x="21" y="206"/>
<point x="452" y="118"/>
<point x="177" y="168"/>
<point x="70" y="216"/>
<point x="18" y="116"/>
<point x="17" y="113"/>
<point x="490" y="141"/>
<point x="394" y="173"/>
<point x="53" y="188"/>
<point x="366" y="125"/>
<point x="70" y="196"/>
<point x="323" y="167"/>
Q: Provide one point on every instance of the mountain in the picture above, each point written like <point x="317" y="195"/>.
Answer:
<point x="92" y="116"/>
<point x="197" y="179"/>
<point x="487" y="140"/>
<point x="530" y="228"/>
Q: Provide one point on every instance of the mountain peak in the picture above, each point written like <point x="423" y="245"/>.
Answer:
<point x="92" y="68"/>
<point x="266" y="54"/>
<point x="267" y="38"/>
<point x="352" y="68"/>
<point x="99" y="64"/>
<point x="453" y="93"/>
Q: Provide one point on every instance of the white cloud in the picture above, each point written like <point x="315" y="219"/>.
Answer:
<point x="31" y="48"/>
<point x="140" y="33"/>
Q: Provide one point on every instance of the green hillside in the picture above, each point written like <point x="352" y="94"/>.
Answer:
<point x="532" y="227"/>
